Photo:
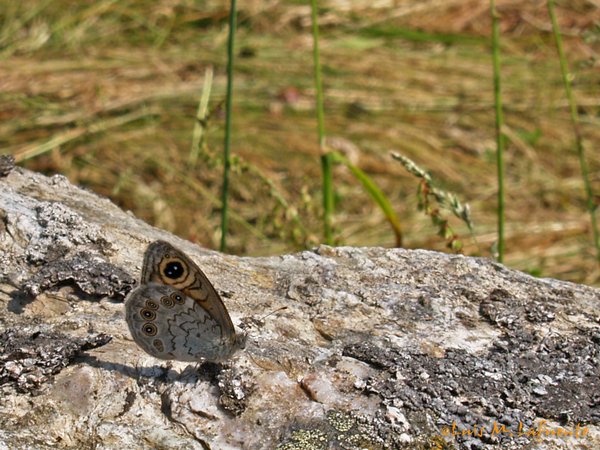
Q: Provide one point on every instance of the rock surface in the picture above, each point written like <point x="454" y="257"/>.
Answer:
<point x="376" y="348"/>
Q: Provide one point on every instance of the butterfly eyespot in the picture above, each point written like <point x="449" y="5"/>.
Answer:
<point x="158" y="345"/>
<point x="148" y="314"/>
<point x="177" y="298"/>
<point x="173" y="270"/>
<point x="151" y="304"/>
<point x="149" y="329"/>
<point x="167" y="302"/>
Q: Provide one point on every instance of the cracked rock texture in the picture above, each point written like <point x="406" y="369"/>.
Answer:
<point x="376" y="348"/>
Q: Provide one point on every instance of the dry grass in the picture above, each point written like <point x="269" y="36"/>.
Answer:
<point x="106" y="92"/>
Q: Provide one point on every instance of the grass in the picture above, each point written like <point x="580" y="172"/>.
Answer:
<point x="326" y="157"/>
<point x="109" y="91"/>
<point x="432" y="201"/>
<point x="377" y="196"/>
<point x="500" y="138"/>
<point x="198" y="136"/>
<point x="228" y="130"/>
<point x="567" y="82"/>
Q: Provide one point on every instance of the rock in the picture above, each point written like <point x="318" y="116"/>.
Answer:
<point x="364" y="347"/>
<point x="7" y="164"/>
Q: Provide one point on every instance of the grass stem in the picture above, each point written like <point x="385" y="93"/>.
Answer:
<point x="200" y="124"/>
<point x="66" y="137"/>
<point x="326" y="157"/>
<point x="375" y="192"/>
<point x="227" y="145"/>
<point x="567" y="80"/>
<point x="499" y="125"/>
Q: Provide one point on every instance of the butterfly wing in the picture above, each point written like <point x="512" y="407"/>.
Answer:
<point x="164" y="264"/>
<point x="168" y="324"/>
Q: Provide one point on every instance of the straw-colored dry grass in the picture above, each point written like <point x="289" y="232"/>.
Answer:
<point x="106" y="92"/>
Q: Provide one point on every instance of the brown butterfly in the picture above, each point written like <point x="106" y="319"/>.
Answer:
<point x="176" y="313"/>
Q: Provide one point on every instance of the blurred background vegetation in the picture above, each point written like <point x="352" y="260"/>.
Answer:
<point x="106" y="92"/>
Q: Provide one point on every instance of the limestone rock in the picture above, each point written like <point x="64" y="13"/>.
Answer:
<point x="376" y="348"/>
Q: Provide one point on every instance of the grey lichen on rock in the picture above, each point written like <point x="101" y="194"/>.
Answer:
<point x="375" y="348"/>
<point x="92" y="275"/>
<point x="7" y="164"/>
<point x="30" y="359"/>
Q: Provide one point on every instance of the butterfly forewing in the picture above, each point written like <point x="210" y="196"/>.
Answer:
<point x="164" y="264"/>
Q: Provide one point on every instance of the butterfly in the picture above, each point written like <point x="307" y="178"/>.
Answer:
<point x="176" y="313"/>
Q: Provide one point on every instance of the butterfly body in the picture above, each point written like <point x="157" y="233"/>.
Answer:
<point x="176" y="313"/>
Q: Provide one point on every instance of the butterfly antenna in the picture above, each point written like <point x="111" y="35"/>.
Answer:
<point x="272" y="312"/>
<point x="251" y="322"/>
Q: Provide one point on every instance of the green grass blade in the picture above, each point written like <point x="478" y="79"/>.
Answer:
<point x="201" y="118"/>
<point x="376" y="194"/>
<point x="567" y="79"/>
<point x="326" y="158"/>
<point x="227" y="146"/>
<point x="46" y="145"/>
<point x="499" y="124"/>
